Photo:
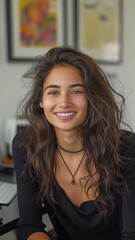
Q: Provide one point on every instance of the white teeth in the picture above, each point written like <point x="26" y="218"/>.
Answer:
<point x="65" y="114"/>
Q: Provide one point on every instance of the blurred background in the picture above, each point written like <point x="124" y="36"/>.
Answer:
<point x="12" y="89"/>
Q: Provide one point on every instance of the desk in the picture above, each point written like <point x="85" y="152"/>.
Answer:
<point x="8" y="213"/>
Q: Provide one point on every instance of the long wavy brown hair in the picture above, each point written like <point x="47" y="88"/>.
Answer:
<point x="101" y="132"/>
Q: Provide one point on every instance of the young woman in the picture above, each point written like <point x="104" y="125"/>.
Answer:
<point x="73" y="157"/>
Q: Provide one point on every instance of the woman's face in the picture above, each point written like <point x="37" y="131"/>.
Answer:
<point x="64" y="101"/>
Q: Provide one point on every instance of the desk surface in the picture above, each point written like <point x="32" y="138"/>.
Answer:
<point x="10" y="212"/>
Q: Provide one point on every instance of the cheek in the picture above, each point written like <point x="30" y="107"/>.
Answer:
<point x="46" y="105"/>
<point x="84" y="104"/>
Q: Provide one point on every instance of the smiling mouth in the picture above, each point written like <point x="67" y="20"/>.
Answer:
<point x="65" y="114"/>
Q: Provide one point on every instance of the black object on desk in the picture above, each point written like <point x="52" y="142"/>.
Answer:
<point x="5" y="228"/>
<point x="1" y="219"/>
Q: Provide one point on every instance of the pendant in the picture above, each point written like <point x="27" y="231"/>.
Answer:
<point x="72" y="181"/>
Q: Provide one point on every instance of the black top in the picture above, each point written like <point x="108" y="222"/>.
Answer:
<point x="76" y="223"/>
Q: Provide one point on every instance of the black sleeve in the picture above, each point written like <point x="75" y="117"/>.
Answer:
<point x="29" y="210"/>
<point x="128" y="202"/>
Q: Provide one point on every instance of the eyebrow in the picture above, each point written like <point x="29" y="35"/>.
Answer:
<point x="70" y="86"/>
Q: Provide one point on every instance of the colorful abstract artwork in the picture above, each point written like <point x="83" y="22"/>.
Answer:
<point x="38" y="22"/>
<point x="33" y="27"/>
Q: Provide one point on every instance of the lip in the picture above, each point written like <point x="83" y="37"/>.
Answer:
<point x="65" y="115"/>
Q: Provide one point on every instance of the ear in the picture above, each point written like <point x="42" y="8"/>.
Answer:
<point x="41" y="103"/>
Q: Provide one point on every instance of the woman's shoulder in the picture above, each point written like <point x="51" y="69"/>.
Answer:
<point x="19" y="145"/>
<point x="127" y="144"/>
<point x="127" y="153"/>
<point x="20" y="136"/>
<point x="21" y="153"/>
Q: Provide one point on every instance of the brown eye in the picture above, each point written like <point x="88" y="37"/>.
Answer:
<point x="76" y="92"/>
<point x="53" y="93"/>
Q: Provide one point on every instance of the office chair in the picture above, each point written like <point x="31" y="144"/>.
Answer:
<point x="5" y="228"/>
<point x="1" y="221"/>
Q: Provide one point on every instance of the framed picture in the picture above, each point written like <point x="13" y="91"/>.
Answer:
<point x="34" y="26"/>
<point x="98" y="25"/>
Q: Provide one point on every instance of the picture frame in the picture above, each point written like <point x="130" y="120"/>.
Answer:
<point x="99" y="29"/>
<point x="33" y="27"/>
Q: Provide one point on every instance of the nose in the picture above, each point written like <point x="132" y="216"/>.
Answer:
<point x="65" y="101"/>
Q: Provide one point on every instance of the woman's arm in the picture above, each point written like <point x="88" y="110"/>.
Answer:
<point x="30" y="212"/>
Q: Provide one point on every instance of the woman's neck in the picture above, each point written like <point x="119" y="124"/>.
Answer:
<point x="69" y="140"/>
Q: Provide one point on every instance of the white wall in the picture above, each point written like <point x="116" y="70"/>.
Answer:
<point x="126" y="71"/>
<point x="11" y="89"/>
<point x="10" y="75"/>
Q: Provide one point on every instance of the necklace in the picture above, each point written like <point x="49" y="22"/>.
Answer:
<point x="65" y="150"/>
<point x="73" y="175"/>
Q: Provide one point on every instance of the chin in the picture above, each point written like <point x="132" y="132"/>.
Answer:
<point x="67" y="128"/>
